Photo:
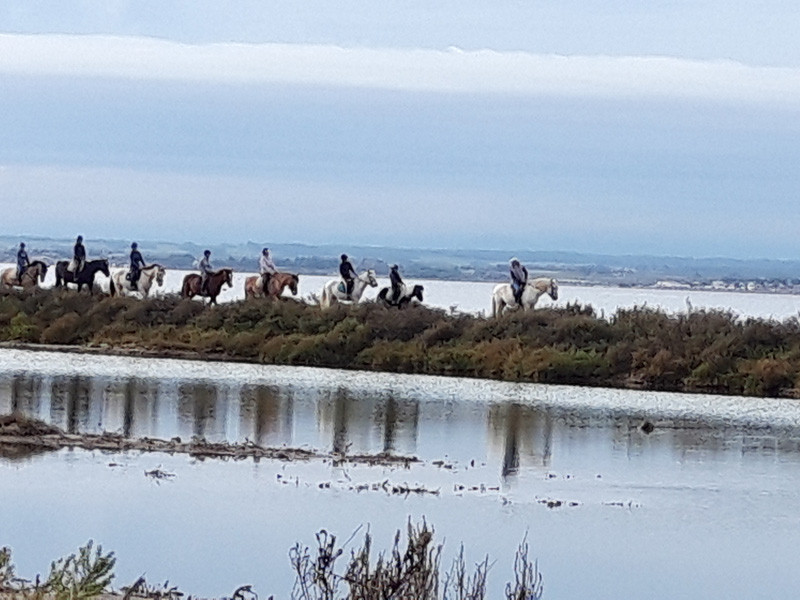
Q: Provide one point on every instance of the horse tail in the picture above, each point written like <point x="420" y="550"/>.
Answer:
<point x="324" y="300"/>
<point x="185" y="288"/>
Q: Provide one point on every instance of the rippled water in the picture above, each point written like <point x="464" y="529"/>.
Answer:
<point x="703" y="507"/>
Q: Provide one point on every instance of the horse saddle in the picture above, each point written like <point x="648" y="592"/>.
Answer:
<point x="342" y="287"/>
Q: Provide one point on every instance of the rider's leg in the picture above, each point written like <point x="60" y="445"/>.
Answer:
<point x="265" y="278"/>
<point x="350" y="284"/>
<point x="135" y="279"/>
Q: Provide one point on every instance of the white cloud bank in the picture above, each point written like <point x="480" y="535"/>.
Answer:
<point x="439" y="71"/>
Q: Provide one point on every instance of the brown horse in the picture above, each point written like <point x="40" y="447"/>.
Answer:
<point x="30" y="278"/>
<point x="277" y="283"/>
<point x="191" y="284"/>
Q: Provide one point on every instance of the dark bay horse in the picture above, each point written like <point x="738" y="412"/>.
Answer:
<point x="85" y="277"/>
<point x="191" y="284"/>
<point x="277" y="283"/>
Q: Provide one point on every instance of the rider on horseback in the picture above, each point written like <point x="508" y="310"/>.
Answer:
<point x="78" y="257"/>
<point x="348" y="274"/>
<point x="266" y="269"/>
<point x="22" y="262"/>
<point x="137" y="264"/>
<point x="519" y="279"/>
<point x="397" y="283"/>
<point x="205" y="270"/>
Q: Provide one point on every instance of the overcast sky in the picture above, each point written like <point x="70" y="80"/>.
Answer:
<point x="617" y="127"/>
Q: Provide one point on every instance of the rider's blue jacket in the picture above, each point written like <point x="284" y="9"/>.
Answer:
<point x="22" y="258"/>
<point x="79" y="252"/>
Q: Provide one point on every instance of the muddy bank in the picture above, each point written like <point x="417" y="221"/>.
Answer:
<point x="21" y="435"/>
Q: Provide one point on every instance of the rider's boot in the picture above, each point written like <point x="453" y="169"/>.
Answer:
<point x="134" y="286"/>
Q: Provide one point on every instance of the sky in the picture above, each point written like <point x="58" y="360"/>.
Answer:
<point x="616" y="127"/>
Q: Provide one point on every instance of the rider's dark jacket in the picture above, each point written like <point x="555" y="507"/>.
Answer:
<point x="346" y="270"/>
<point x="137" y="262"/>
<point x="79" y="252"/>
<point x="395" y="279"/>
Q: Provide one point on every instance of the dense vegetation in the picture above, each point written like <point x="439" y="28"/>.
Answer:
<point x="708" y="351"/>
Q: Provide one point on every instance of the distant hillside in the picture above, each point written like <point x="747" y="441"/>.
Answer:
<point x="470" y="265"/>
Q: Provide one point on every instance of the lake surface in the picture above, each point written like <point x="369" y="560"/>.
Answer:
<point x="706" y="506"/>
<point x="475" y="297"/>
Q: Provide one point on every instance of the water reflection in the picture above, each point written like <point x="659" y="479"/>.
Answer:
<point x="512" y="435"/>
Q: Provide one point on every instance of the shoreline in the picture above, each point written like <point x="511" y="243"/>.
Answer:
<point x="705" y="352"/>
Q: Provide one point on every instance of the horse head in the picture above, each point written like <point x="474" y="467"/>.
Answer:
<point x="293" y="281"/>
<point x="417" y="293"/>
<point x="372" y="280"/>
<point x="552" y="289"/>
<point x="228" y="277"/>
<point x="104" y="267"/>
<point x="159" y="275"/>
<point x="42" y="269"/>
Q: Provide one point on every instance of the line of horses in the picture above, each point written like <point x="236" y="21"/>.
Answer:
<point x="333" y="291"/>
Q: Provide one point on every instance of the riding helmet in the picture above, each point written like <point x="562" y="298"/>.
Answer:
<point x="207" y="252"/>
<point x="344" y="256"/>
<point x="22" y="244"/>
<point x="80" y="238"/>
<point x="395" y="267"/>
<point x="265" y="250"/>
<point x="134" y="245"/>
<point x="514" y="261"/>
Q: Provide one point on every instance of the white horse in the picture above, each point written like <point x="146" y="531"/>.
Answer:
<point x="122" y="286"/>
<point x="503" y="295"/>
<point x="333" y="291"/>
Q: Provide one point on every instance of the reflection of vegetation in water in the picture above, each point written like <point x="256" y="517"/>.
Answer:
<point x="517" y="430"/>
<point x="265" y="415"/>
<point x="69" y="402"/>
<point x="197" y="405"/>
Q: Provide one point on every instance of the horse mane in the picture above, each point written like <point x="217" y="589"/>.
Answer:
<point x="153" y="266"/>
<point x="41" y="263"/>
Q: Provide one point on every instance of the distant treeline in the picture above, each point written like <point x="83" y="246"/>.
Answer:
<point x="704" y="351"/>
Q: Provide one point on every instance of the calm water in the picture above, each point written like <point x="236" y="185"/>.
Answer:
<point x="704" y="507"/>
<point x="475" y="297"/>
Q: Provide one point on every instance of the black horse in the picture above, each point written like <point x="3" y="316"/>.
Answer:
<point x="385" y="296"/>
<point x="85" y="277"/>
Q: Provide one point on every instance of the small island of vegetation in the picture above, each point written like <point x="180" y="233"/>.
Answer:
<point x="640" y="348"/>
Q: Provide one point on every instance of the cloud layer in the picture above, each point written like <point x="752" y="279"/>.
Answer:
<point x="418" y="70"/>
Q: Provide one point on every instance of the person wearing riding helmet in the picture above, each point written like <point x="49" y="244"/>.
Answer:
<point x="397" y="283"/>
<point x="137" y="264"/>
<point x="78" y="257"/>
<point x="266" y="269"/>
<point x="519" y="279"/>
<point x="348" y="274"/>
<point x="22" y="262"/>
<point x="205" y="270"/>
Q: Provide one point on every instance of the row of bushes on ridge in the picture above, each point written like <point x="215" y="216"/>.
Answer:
<point x="702" y="351"/>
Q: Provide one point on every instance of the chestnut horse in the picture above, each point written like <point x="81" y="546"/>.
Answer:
<point x="30" y="278"/>
<point x="191" y="284"/>
<point x="277" y="283"/>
